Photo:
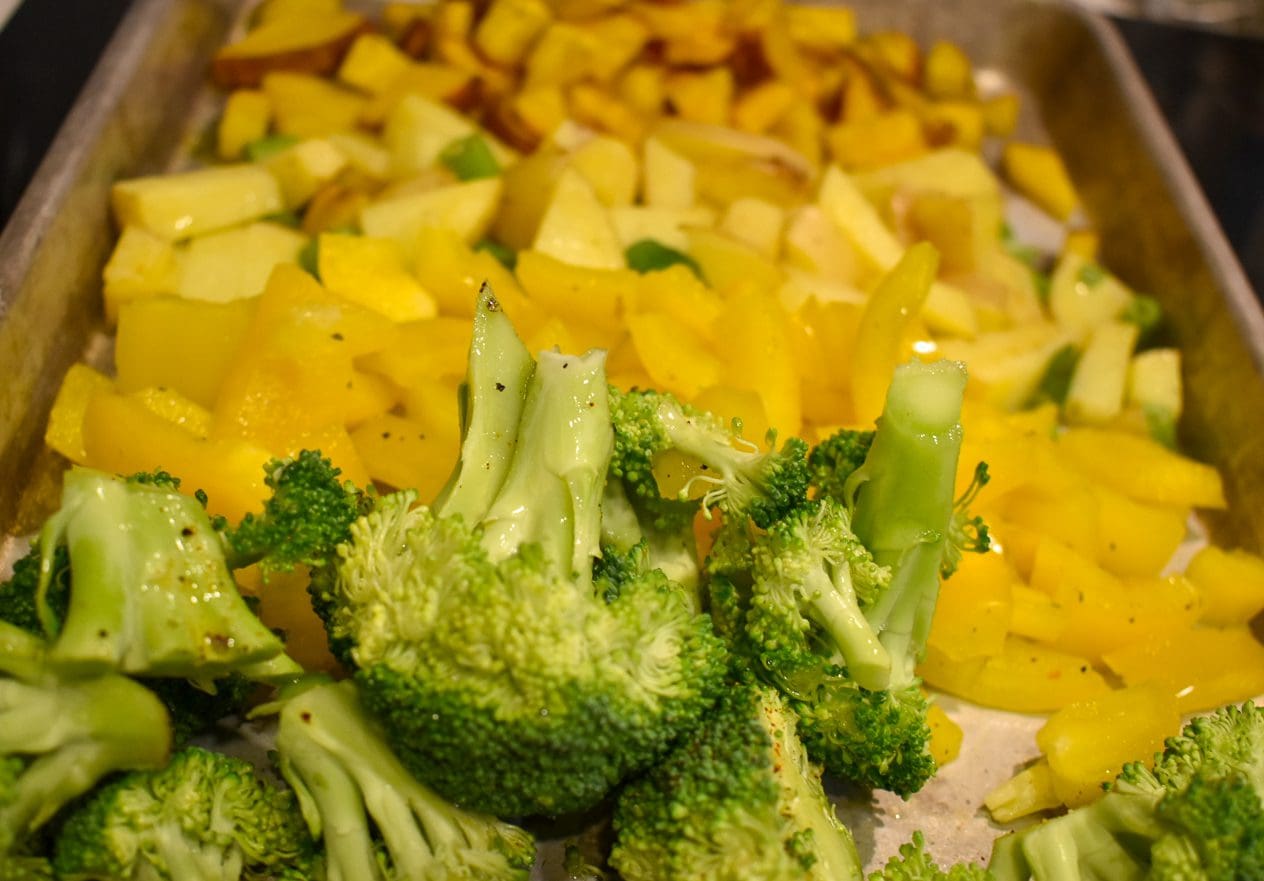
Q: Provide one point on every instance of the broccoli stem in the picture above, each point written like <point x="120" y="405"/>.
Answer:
<point x="904" y="502"/>
<point x="553" y="491"/>
<point x="834" y="606"/>
<point x="78" y="732"/>
<point x="151" y="592"/>
<point x="493" y="397"/>
<point x="739" y="468"/>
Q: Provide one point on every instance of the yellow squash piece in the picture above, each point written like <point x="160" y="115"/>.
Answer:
<point x="1203" y="667"/>
<point x="370" y="272"/>
<point x="1024" y="678"/>
<point x="1230" y="584"/>
<point x="65" y="423"/>
<point x="1038" y="173"/>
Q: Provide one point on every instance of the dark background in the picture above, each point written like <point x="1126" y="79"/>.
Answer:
<point x="1209" y="86"/>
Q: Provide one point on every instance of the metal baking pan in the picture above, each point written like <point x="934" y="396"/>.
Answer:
<point x="149" y="99"/>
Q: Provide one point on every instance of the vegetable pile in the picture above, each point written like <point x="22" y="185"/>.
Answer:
<point x="586" y="383"/>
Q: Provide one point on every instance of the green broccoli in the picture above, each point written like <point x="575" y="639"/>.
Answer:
<point x="742" y="800"/>
<point x="914" y="864"/>
<point x="58" y="738"/>
<point x="150" y="591"/>
<point x="833" y="460"/>
<point x="19" y="868"/>
<point x="1197" y="815"/>
<point x="352" y="790"/>
<point x="503" y="678"/>
<point x="492" y="398"/>
<point x="192" y="707"/>
<point x="660" y="531"/>
<point x="738" y="801"/>
<point x="832" y="603"/>
<point x="204" y="817"/>
<point x="743" y="480"/>
<point x="309" y="512"/>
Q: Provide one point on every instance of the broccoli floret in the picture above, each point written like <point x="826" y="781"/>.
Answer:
<point x="1198" y="815"/>
<point x="353" y="789"/>
<point x="59" y="738"/>
<point x="834" y="459"/>
<point x="648" y="533"/>
<point x="915" y="864"/>
<point x="19" y="595"/>
<point x="492" y="399"/>
<point x="811" y="581"/>
<point x="25" y="869"/>
<point x="504" y="680"/>
<point x="743" y="480"/>
<point x="967" y="533"/>
<point x="192" y="708"/>
<point x="836" y="619"/>
<point x="150" y="591"/>
<point x="204" y="817"/>
<point x="309" y="512"/>
<point x="738" y="800"/>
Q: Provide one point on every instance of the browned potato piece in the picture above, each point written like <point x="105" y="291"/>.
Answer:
<point x="313" y="44"/>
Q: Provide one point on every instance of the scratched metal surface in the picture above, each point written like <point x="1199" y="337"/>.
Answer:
<point x="144" y="107"/>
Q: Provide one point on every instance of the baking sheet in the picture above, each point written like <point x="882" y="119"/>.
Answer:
<point x="148" y="101"/>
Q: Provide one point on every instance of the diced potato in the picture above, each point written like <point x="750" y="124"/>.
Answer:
<point x="610" y="167"/>
<point x="438" y="82"/>
<point x="1006" y="367"/>
<point x="418" y="130"/>
<point x="1142" y="469"/>
<point x="1154" y="386"/>
<point x="193" y="203"/>
<point x="891" y="136"/>
<point x="895" y="51"/>
<point x="1230" y="584"/>
<point x="1082" y="242"/>
<point x="366" y="155"/>
<point x="705" y="97"/>
<point x="575" y="227"/>
<point x="1000" y="114"/>
<point x="372" y="64"/>
<point x="528" y="190"/>
<point x="1038" y="173"/>
<point x="1082" y="296"/>
<point x="667" y="226"/>
<point x="563" y="55"/>
<point x="596" y="107"/>
<point x="236" y="263"/>
<point x="1096" y="395"/>
<point x="821" y="27"/>
<point x="1203" y="667"/>
<point x="466" y="209"/>
<point x="509" y="28"/>
<point x="247" y="113"/>
<point x="814" y="243"/>
<point x="756" y="222"/>
<point x="310" y="107"/>
<point x="274" y="10"/>
<point x="180" y="344"/>
<point x="65" y="423"/>
<point x="644" y="88"/>
<point x="948" y="73"/>
<point x="142" y="265"/>
<point x="668" y="180"/>
<point x="304" y="168"/>
<point x="950" y="171"/>
<point x="761" y="108"/>
<point x="371" y="273"/>
<point x="620" y="39"/>
<point x="309" y="43"/>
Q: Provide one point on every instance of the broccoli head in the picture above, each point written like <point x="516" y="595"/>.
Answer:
<point x="737" y="801"/>
<point x="378" y="823"/>
<point x="59" y="738"/>
<point x="307" y="515"/>
<point x="151" y="593"/>
<point x="833" y="460"/>
<point x="1197" y="814"/>
<point x="914" y="864"/>
<point x="740" y="479"/>
<point x="204" y="817"/>
<point x="507" y="687"/>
